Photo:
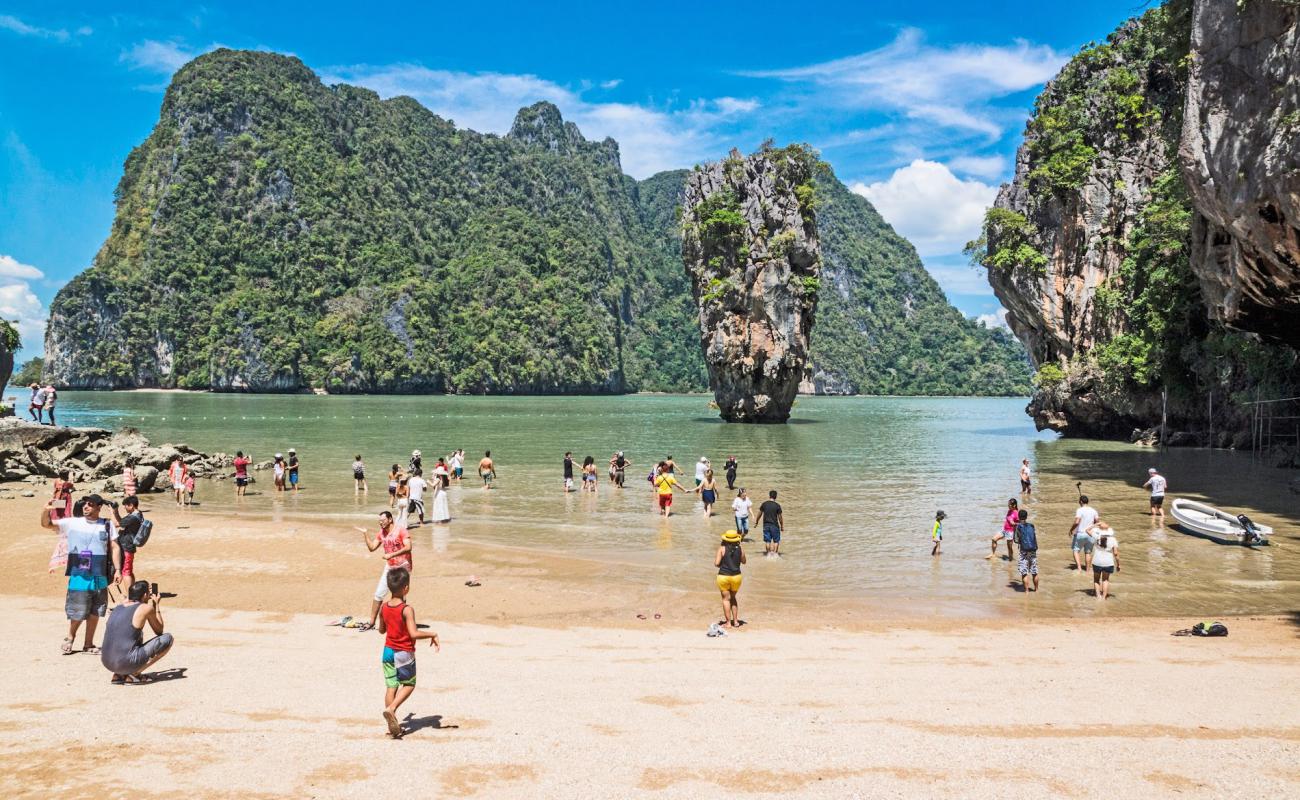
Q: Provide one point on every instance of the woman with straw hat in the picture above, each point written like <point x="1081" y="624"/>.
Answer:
<point x="728" y="560"/>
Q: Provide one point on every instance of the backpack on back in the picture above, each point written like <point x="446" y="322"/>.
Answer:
<point x="1027" y="535"/>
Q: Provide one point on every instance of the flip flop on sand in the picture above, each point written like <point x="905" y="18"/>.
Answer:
<point x="92" y="650"/>
<point x="342" y="622"/>
<point x="473" y="582"/>
<point x="137" y="680"/>
<point x="394" y="727"/>
<point x="118" y="680"/>
<point x="67" y="647"/>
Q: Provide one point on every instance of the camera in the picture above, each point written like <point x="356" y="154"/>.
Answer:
<point x="112" y="504"/>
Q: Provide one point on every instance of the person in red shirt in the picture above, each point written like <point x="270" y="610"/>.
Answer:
<point x="397" y="623"/>
<point x="241" y="473"/>
<point x="396" y="544"/>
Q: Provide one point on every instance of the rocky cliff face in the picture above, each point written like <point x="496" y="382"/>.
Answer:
<point x="749" y="242"/>
<point x="29" y="451"/>
<point x="8" y="343"/>
<point x="1241" y="160"/>
<point x="1092" y="247"/>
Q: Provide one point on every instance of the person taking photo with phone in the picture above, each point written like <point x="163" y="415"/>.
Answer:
<point x="125" y="653"/>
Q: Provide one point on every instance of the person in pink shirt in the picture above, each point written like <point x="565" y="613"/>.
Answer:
<point x="396" y="545"/>
<point x="1008" y="530"/>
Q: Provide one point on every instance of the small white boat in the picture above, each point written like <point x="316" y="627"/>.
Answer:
<point x="1209" y="522"/>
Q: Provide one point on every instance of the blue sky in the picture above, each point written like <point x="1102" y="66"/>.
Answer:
<point x="917" y="106"/>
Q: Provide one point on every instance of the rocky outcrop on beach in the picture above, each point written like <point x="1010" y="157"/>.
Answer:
<point x="1241" y="159"/>
<point x="1130" y="248"/>
<point x="29" y="451"/>
<point x="749" y="242"/>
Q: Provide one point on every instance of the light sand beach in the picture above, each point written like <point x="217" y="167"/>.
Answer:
<point x="548" y="685"/>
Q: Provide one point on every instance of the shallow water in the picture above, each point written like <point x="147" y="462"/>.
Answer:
<point x="859" y="478"/>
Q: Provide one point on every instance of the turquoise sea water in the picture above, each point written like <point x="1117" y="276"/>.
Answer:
<point x="859" y="478"/>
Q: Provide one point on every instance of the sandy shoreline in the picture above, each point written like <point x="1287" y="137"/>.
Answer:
<point x="549" y="685"/>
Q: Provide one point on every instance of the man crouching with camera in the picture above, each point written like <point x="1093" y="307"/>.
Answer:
<point x="125" y="653"/>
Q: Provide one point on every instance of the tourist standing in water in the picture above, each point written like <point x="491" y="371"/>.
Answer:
<point x="241" y="473"/>
<point x="487" y="470"/>
<point x="936" y="533"/>
<point x="457" y="462"/>
<point x="618" y="465"/>
<point x="665" y="485"/>
<point x="277" y="472"/>
<point x="589" y="477"/>
<point x="1008" y="530"/>
<point x="1026" y="483"/>
<point x="669" y="466"/>
<point x="1027" y="540"/>
<point x="708" y="490"/>
<point x="568" y="472"/>
<point x="293" y="469"/>
<point x="1105" y="558"/>
<point x="416" y="462"/>
<point x="176" y="474"/>
<point x="415" y="486"/>
<point x="728" y="559"/>
<point x="730" y="469"/>
<point x="701" y="467"/>
<point x="402" y="498"/>
<point x="394" y="475"/>
<point x="741" y="508"/>
<point x="1157" y="483"/>
<point x="1080" y="542"/>
<point x="359" y="476"/>
<point x="773" y="525"/>
<point x="441" y="511"/>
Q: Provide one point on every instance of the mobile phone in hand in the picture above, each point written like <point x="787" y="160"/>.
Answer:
<point x="153" y="589"/>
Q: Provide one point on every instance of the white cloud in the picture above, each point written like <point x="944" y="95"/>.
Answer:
<point x="15" y="25"/>
<point x="162" y="57"/>
<point x="980" y="166"/>
<point x="948" y="86"/>
<point x="10" y="268"/>
<point x="611" y="84"/>
<point x="934" y="209"/>
<point x="20" y="305"/>
<point x="998" y="319"/>
<point x="650" y="139"/>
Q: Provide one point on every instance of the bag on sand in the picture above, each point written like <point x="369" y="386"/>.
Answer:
<point x="1209" y="629"/>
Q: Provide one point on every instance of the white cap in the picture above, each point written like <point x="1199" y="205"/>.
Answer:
<point x="415" y="452"/>
<point x="279" y="455"/>
<point x="291" y="450"/>
<point x="1151" y="471"/>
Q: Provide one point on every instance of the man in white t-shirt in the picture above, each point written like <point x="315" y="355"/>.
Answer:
<point x="1157" y="484"/>
<point x="1081" y="542"/>
<point x="740" y="507"/>
<point x="417" y="485"/>
<point x="93" y="555"/>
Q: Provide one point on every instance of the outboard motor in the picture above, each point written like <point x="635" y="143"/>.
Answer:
<point x="1252" y="535"/>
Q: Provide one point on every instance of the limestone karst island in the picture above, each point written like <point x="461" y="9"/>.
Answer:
<point x="842" y="400"/>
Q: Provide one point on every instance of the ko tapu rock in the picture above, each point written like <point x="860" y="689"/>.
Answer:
<point x="750" y="246"/>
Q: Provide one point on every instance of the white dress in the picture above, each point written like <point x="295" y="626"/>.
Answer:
<point x="441" y="511"/>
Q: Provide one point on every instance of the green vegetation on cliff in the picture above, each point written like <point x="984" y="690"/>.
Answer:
<point x="273" y="233"/>
<point x="29" y="372"/>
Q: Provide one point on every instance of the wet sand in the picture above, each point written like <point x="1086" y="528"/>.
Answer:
<point x="548" y="685"/>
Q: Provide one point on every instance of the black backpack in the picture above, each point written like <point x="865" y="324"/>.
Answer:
<point x="1209" y="629"/>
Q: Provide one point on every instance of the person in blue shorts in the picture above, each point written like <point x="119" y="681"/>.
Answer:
<point x="741" y="508"/>
<point x="773" y="525"/>
<point x="293" y="468"/>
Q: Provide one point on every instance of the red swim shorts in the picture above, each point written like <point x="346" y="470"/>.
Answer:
<point x="665" y="500"/>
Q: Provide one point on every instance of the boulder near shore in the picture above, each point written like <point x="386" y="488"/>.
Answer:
<point x="32" y="452"/>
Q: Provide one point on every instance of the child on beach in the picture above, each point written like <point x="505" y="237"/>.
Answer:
<point x="359" y="476"/>
<point x="1008" y="530"/>
<point x="189" y="488"/>
<point x="397" y="623"/>
<point x="936" y="534"/>
<point x="1027" y="540"/>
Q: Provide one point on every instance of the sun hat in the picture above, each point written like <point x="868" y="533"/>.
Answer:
<point x="415" y="452"/>
<point x="940" y="515"/>
<point x="291" y="450"/>
<point x="731" y="537"/>
<point x="1151" y="471"/>
<point x="280" y="455"/>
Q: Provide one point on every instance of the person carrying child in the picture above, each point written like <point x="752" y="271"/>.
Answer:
<point x="397" y="623"/>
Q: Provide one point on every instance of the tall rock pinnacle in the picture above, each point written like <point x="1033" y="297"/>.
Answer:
<point x="749" y="243"/>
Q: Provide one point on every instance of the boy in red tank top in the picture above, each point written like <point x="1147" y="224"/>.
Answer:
<point x="397" y="623"/>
